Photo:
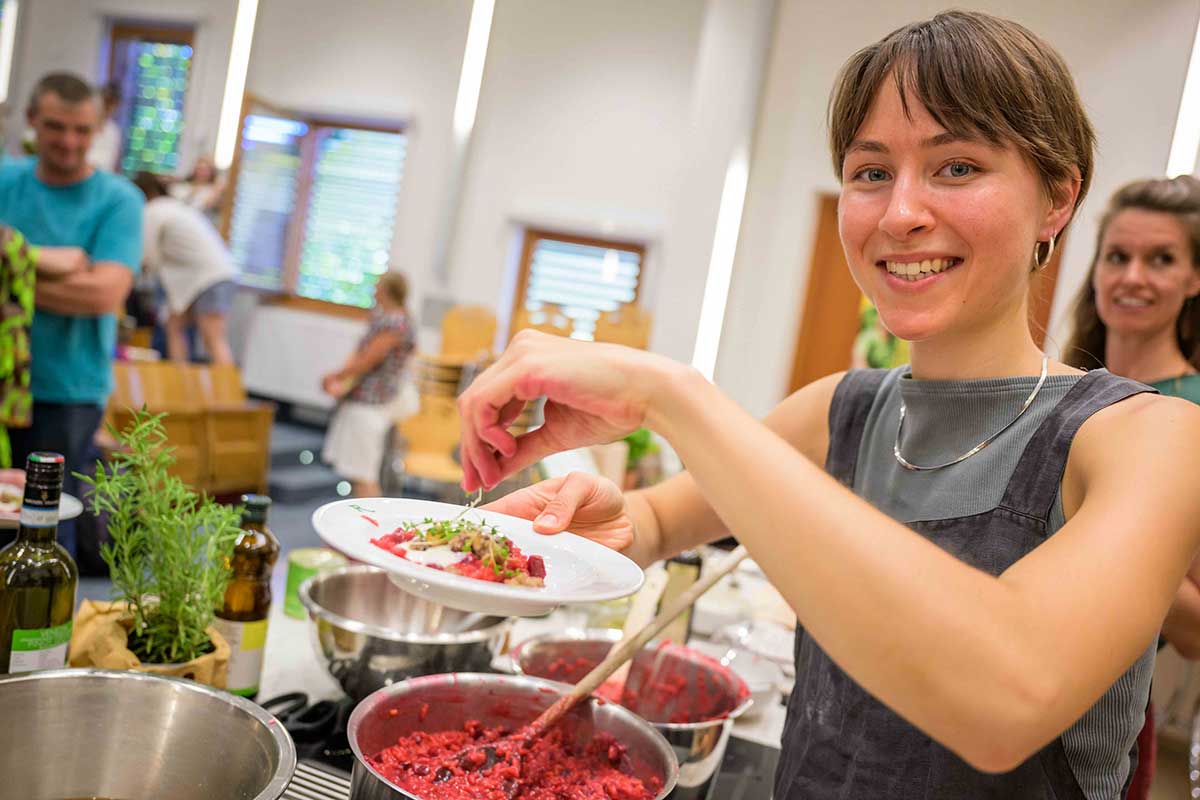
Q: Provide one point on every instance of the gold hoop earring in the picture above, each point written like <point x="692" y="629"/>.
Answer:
<point x="1040" y="261"/>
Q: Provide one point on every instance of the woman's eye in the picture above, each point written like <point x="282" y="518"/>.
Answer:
<point x="1116" y="257"/>
<point x="872" y="174"/>
<point x="958" y="169"/>
<point x="1163" y="260"/>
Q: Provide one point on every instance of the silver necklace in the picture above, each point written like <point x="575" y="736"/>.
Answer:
<point x="1024" y="407"/>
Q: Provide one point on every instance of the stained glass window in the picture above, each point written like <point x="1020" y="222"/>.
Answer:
<point x="351" y="214"/>
<point x="157" y="82"/>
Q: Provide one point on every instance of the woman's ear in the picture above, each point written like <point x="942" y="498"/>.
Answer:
<point x="1062" y="206"/>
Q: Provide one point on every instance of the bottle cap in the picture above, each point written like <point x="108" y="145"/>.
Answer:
<point x="255" y="506"/>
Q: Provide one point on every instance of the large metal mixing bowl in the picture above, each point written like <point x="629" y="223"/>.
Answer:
<point x="369" y="633"/>
<point x="449" y="701"/>
<point x="133" y="736"/>
<point x="690" y="698"/>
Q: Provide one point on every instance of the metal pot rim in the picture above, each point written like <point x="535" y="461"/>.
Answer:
<point x="319" y="611"/>
<point x="371" y="701"/>
<point x="614" y="636"/>
<point x="283" y="741"/>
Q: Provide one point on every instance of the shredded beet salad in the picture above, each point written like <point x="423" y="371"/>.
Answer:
<point x="487" y="555"/>
<point x="432" y="766"/>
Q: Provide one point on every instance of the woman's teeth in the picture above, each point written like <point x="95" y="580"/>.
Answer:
<point x="915" y="270"/>
<point x="1130" y="301"/>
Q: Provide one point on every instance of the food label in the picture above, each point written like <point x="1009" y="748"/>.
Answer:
<point x="32" y="517"/>
<point x="39" y="648"/>
<point x="247" y="642"/>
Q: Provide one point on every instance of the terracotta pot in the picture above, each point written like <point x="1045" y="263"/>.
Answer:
<point x="100" y="638"/>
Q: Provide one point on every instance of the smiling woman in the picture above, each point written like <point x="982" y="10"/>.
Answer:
<point x="981" y="626"/>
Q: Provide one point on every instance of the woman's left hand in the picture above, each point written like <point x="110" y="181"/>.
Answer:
<point x="594" y="393"/>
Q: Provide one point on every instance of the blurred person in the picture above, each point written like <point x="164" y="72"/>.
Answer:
<point x="367" y="388"/>
<point x="194" y="267"/>
<point x="105" y="152"/>
<point x="203" y="189"/>
<point x="1138" y="316"/>
<point x="58" y="200"/>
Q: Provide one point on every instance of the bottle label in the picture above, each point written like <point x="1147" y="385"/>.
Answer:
<point x="40" y="648"/>
<point x="247" y="642"/>
<point x="32" y="517"/>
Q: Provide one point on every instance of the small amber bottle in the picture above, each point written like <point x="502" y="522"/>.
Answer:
<point x="243" y="618"/>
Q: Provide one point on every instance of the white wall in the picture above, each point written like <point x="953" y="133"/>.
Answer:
<point x="73" y="35"/>
<point x="581" y="127"/>
<point x="1129" y="59"/>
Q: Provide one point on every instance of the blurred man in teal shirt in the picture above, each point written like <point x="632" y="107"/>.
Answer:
<point x="58" y="199"/>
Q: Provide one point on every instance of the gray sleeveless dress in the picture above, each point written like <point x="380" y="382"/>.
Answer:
<point x="989" y="511"/>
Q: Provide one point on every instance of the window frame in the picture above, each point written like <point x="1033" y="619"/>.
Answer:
<point x="533" y="235"/>
<point x="317" y="123"/>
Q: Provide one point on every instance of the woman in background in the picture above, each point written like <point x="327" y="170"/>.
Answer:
<point x="191" y="261"/>
<point x="203" y="189"/>
<point x="366" y="389"/>
<point x="1138" y="316"/>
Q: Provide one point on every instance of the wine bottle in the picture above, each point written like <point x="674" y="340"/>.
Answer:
<point x="243" y="618"/>
<point x="38" y="577"/>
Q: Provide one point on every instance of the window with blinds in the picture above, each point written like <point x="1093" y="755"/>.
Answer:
<point x="351" y="214"/>
<point x="314" y="205"/>
<point x="579" y="277"/>
<point x="265" y="197"/>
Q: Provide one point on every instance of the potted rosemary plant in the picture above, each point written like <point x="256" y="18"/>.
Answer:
<point x="169" y="558"/>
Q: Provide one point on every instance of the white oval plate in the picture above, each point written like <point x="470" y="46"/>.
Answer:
<point x="578" y="570"/>
<point x="69" y="507"/>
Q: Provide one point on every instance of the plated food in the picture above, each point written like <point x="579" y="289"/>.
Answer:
<point x="468" y="547"/>
<point x="474" y="559"/>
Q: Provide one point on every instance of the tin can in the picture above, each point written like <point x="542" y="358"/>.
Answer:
<point x="302" y="565"/>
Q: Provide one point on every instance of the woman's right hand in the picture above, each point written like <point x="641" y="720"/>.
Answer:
<point x="588" y="505"/>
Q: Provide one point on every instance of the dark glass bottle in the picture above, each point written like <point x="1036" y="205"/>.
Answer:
<point x="38" y="577"/>
<point x="682" y="571"/>
<point x="243" y="618"/>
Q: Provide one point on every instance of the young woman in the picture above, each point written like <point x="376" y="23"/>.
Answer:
<point x="1138" y="316"/>
<point x="977" y="593"/>
<point x="367" y="387"/>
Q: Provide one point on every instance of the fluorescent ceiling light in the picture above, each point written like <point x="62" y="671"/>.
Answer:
<point x="8" y="38"/>
<point x="235" y="83"/>
<point x="1186" y="141"/>
<point x="720" y="266"/>
<point x="469" y="83"/>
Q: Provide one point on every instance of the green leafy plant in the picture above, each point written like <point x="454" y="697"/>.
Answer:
<point x="641" y="444"/>
<point x="170" y="549"/>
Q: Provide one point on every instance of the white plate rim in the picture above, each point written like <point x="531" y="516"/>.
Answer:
<point x="440" y="579"/>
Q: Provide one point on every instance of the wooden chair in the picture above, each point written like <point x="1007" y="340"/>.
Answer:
<point x="629" y="325"/>
<point x="468" y="332"/>
<point x="431" y="436"/>
<point x="221" y="438"/>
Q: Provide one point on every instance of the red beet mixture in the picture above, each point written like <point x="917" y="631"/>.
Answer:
<point x="551" y="768"/>
<point x="664" y="685"/>
<point x="471" y="566"/>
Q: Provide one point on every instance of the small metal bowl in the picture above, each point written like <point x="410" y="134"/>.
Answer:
<point x="450" y="700"/>
<point x="369" y="633"/>
<point x="102" y="733"/>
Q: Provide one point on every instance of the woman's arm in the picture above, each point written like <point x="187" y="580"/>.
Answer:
<point x="1182" y="625"/>
<point x="371" y="354"/>
<point x="993" y="668"/>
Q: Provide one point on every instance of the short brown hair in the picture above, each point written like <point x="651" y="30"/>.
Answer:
<point x="67" y="85"/>
<point x="977" y="75"/>
<point x="396" y="286"/>
<point x="1179" y="197"/>
<point x="151" y="185"/>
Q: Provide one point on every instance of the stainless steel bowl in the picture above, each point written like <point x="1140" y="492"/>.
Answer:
<point x="690" y="698"/>
<point x="133" y="736"/>
<point x="507" y="700"/>
<point x="370" y="633"/>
